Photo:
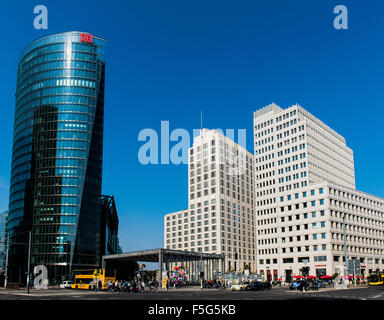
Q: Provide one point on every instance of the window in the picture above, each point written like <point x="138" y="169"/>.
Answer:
<point x="314" y="236"/>
<point x="320" y="258"/>
<point x="304" y="194"/>
<point x="312" y="192"/>
<point x="321" y="190"/>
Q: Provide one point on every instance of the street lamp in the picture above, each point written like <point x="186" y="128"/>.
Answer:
<point x="345" y="250"/>
<point x="201" y="266"/>
<point x="6" y="264"/>
<point x="29" y="259"/>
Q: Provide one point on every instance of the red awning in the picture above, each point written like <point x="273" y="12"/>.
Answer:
<point x="311" y="277"/>
<point x="326" y="277"/>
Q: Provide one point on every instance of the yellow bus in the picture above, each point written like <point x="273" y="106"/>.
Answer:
<point x="376" y="279"/>
<point x="89" y="279"/>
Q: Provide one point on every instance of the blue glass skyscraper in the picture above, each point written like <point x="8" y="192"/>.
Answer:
<point x="56" y="172"/>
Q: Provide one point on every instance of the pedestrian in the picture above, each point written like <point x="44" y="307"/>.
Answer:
<point x="100" y="285"/>
<point x="142" y="286"/>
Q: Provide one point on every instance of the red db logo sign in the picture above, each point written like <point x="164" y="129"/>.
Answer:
<point x="85" y="37"/>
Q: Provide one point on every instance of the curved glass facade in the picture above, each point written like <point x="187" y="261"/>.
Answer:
<point x="56" y="172"/>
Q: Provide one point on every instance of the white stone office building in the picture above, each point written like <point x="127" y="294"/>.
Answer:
<point x="304" y="185"/>
<point x="221" y="211"/>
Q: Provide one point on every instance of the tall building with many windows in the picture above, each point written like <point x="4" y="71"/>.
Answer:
<point x="220" y="214"/>
<point x="56" y="172"/>
<point x="304" y="186"/>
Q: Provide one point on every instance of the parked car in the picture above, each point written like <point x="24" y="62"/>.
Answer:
<point x="267" y="285"/>
<point x="66" y="284"/>
<point x="299" y="285"/>
<point x="255" y="286"/>
<point x="240" y="286"/>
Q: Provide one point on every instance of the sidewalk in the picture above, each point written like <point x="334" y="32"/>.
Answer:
<point x="330" y="289"/>
<point x="189" y="288"/>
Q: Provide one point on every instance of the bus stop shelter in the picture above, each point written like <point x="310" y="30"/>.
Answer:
<point x="192" y="262"/>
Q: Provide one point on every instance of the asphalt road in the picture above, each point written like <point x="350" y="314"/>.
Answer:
<point x="370" y="293"/>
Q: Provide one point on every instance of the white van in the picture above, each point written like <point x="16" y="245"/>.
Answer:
<point x="66" y="284"/>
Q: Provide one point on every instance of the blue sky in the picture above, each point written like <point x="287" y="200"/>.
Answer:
<point x="167" y="60"/>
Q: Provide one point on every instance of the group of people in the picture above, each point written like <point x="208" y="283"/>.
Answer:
<point x="131" y="286"/>
<point x="216" y="284"/>
<point x="305" y="284"/>
<point x="177" y="283"/>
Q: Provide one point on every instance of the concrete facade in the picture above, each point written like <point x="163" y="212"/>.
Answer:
<point x="300" y="164"/>
<point x="220" y="214"/>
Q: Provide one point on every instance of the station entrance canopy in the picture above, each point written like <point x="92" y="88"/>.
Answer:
<point x="193" y="262"/>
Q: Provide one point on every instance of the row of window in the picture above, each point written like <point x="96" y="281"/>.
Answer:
<point x="356" y="198"/>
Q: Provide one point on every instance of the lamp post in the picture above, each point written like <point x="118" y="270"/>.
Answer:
<point x="345" y="250"/>
<point x="201" y="267"/>
<point x="6" y="264"/>
<point x="29" y="260"/>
